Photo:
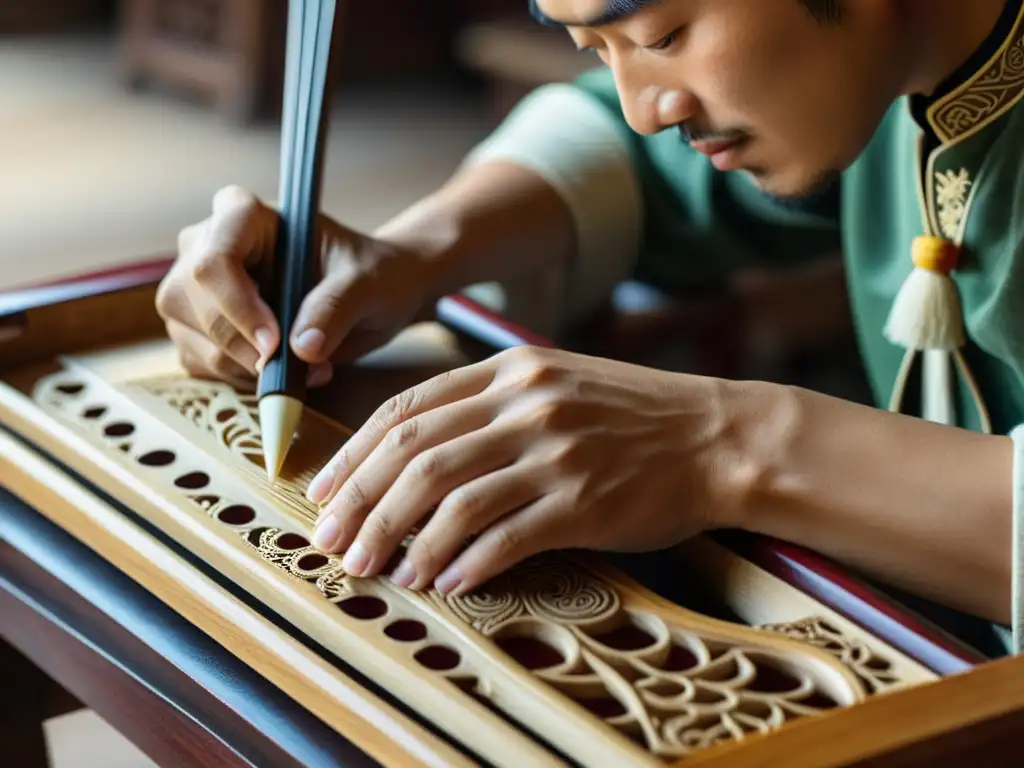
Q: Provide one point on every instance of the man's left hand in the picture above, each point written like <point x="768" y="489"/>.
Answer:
<point x="530" y="450"/>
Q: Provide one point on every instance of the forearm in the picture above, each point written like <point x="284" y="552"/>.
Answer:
<point x="552" y="197"/>
<point x="923" y="507"/>
<point x="493" y="221"/>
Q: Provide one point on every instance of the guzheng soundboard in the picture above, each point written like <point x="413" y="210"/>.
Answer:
<point x="565" y="659"/>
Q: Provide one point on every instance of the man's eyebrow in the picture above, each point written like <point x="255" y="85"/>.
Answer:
<point x="614" y="10"/>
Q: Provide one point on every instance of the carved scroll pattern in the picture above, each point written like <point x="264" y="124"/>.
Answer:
<point x="671" y="689"/>
<point x="875" y="671"/>
<point x="231" y="416"/>
<point x="232" y="419"/>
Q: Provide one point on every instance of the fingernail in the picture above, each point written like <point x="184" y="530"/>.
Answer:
<point x="310" y="341"/>
<point x="264" y="342"/>
<point x="326" y="533"/>
<point x="404" y="574"/>
<point x="321" y="485"/>
<point x="355" y="560"/>
<point x="320" y="375"/>
<point x="448" y="581"/>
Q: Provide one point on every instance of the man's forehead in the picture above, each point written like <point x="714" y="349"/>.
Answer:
<point x="585" y="13"/>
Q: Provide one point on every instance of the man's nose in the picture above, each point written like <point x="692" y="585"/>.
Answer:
<point x="650" y="108"/>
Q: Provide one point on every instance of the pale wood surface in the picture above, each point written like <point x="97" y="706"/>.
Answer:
<point x="376" y="727"/>
<point x="150" y="407"/>
<point x="82" y="739"/>
<point x="50" y="418"/>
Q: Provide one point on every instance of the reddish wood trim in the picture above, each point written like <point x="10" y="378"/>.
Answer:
<point x="476" y="320"/>
<point x="162" y="683"/>
<point x="811" y="573"/>
<point x="16" y="300"/>
<point x="162" y="730"/>
<point x="834" y="586"/>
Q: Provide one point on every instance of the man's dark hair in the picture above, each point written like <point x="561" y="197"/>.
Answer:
<point x="825" y="11"/>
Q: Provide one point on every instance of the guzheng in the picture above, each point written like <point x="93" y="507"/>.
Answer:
<point x="769" y="656"/>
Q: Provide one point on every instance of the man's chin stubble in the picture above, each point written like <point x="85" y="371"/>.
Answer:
<point x="812" y="195"/>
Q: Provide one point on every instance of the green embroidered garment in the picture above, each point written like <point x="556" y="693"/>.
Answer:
<point x="951" y="166"/>
<point x="700" y="224"/>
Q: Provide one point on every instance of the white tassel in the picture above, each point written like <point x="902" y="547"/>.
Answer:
<point x="926" y="317"/>
<point x="927" y="312"/>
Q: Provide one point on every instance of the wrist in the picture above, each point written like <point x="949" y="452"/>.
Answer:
<point x="754" y="425"/>
<point x="430" y="233"/>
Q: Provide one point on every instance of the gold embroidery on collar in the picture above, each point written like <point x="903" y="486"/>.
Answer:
<point x="951" y="198"/>
<point x="987" y="96"/>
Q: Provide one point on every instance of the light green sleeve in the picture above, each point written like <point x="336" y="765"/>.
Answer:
<point x="1014" y="635"/>
<point x="645" y="208"/>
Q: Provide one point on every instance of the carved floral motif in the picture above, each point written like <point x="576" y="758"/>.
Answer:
<point x="670" y="687"/>
<point x="667" y="686"/>
<point x="872" y="669"/>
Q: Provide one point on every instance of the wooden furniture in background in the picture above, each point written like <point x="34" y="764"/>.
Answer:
<point x="220" y="49"/>
<point x="19" y="17"/>
<point x="514" y="54"/>
<point x="231" y="52"/>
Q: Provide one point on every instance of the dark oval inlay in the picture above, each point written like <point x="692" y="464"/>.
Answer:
<point x="364" y="607"/>
<point x="226" y="414"/>
<point x="437" y="657"/>
<point x="679" y="659"/>
<point x="312" y="561"/>
<point x="604" y="706"/>
<point x="193" y="480"/>
<point x="406" y="630"/>
<point x="254" y="536"/>
<point x="119" y="429"/>
<point x="157" y="458"/>
<point x="628" y="637"/>
<point x="70" y="388"/>
<point x="819" y="701"/>
<point x="93" y="413"/>
<point x="237" y="514"/>
<point x="772" y="680"/>
<point x="291" y="541"/>
<point x="530" y="652"/>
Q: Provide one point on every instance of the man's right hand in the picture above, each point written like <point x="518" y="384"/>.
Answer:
<point x="210" y="300"/>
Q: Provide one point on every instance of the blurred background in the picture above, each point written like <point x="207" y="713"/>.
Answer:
<point x="119" y="119"/>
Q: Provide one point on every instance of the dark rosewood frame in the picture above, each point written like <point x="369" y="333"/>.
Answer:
<point x="129" y="668"/>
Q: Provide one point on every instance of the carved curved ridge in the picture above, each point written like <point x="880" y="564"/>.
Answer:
<point x="671" y="688"/>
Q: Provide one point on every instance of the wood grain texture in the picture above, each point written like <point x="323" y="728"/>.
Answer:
<point x="851" y="597"/>
<point x="318" y="684"/>
<point x="163" y="731"/>
<point x="189" y="452"/>
<point x="973" y="718"/>
<point x="377" y="728"/>
<point x="101" y="469"/>
<point x="820" y="577"/>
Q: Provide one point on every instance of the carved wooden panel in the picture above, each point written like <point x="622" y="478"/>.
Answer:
<point x="577" y="653"/>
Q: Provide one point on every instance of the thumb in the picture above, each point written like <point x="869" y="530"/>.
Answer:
<point x="242" y="224"/>
<point x="327" y="316"/>
<point x="240" y="231"/>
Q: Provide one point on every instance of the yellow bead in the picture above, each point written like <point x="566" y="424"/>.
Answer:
<point x="936" y="254"/>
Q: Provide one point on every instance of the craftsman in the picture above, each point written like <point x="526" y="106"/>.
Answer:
<point x="718" y="133"/>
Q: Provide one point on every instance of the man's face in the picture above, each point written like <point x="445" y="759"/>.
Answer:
<point x="760" y="85"/>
